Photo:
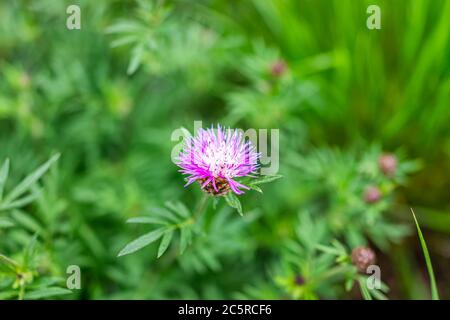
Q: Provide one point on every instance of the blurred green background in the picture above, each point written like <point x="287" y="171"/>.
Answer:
<point x="108" y="97"/>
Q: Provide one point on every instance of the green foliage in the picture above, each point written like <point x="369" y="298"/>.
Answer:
<point x="254" y="183"/>
<point x="11" y="200"/>
<point x="21" y="278"/>
<point x="173" y="217"/>
<point x="221" y="235"/>
<point x="310" y="269"/>
<point x="342" y="179"/>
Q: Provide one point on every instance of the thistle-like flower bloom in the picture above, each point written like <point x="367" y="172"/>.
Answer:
<point x="214" y="159"/>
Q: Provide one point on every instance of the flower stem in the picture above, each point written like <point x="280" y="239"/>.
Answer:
<point x="201" y="206"/>
<point x="198" y="211"/>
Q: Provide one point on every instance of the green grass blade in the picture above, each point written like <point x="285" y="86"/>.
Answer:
<point x="3" y="176"/>
<point x="434" y="291"/>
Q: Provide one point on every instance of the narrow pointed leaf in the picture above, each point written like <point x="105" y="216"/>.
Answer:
<point x="142" y="241"/>
<point x="185" y="239"/>
<point x="4" y="171"/>
<point x="10" y="263"/>
<point x="26" y="183"/>
<point x="6" y="223"/>
<point x="234" y="202"/>
<point x="265" y="179"/>
<point x="146" y="220"/>
<point x="434" y="291"/>
<point x="165" y="242"/>
<point x="19" y="203"/>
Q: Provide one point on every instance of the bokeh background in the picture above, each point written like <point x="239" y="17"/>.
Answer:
<point x="108" y="97"/>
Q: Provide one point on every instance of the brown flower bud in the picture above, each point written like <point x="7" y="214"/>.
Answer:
<point x="372" y="194"/>
<point x="299" y="280"/>
<point x="388" y="164"/>
<point x="222" y="186"/>
<point x="278" y="68"/>
<point x="362" y="258"/>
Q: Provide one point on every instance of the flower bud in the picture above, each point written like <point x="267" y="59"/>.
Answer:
<point x="222" y="185"/>
<point x="278" y="68"/>
<point x="299" y="280"/>
<point x="362" y="258"/>
<point x="388" y="164"/>
<point x="372" y="194"/>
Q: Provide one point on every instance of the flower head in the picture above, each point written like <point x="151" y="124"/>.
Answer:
<point x="372" y="194"/>
<point x="388" y="164"/>
<point x="278" y="68"/>
<point x="215" y="159"/>
<point x="363" y="257"/>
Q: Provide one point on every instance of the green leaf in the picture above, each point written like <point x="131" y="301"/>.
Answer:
<point x="135" y="60"/>
<point x="185" y="238"/>
<point x="179" y="208"/>
<point x="329" y="250"/>
<point x="10" y="263"/>
<point x="6" y="223"/>
<point x="208" y="258"/>
<point x="146" y="220"/>
<point x="8" y="294"/>
<point x="26" y="221"/>
<point x="364" y="291"/>
<point x="265" y="179"/>
<point x="256" y="188"/>
<point x="174" y="216"/>
<point x="434" y="291"/>
<point x="124" y="26"/>
<point x="4" y="171"/>
<point x="378" y="295"/>
<point x="349" y="284"/>
<point x="215" y="202"/>
<point x="123" y="41"/>
<point x="26" y="183"/>
<point x="165" y="242"/>
<point x="30" y="251"/>
<point x="142" y="241"/>
<point x="166" y="214"/>
<point x="91" y="239"/>
<point x="234" y="202"/>
<point x="46" y="292"/>
<point x="19" y="203"/>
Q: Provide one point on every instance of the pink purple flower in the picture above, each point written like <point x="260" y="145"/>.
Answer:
<point x="215" y="158"/>
<point x="388" y="163"/>
<point x="278" y="68"/>
<point x="372" y="194"/>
